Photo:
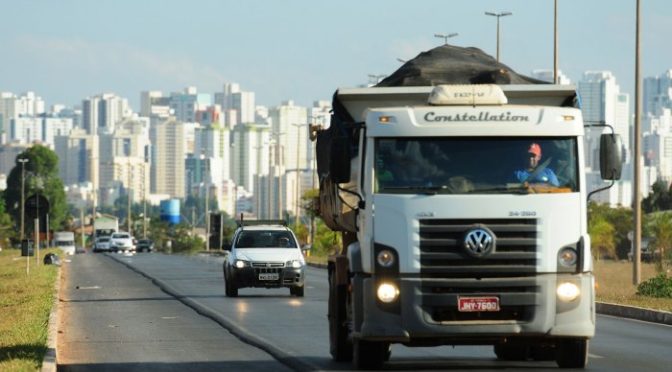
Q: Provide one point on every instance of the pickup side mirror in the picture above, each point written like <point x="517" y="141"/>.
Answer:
<point x="611" y="163"/>
<point x="339" y="162"/>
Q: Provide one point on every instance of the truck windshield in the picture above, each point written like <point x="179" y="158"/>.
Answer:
<point x="476" y="165"/>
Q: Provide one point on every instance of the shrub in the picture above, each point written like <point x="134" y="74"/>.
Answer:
<point x="659" y="286"/>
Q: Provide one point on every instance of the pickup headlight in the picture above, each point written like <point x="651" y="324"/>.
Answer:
<point x="239" y="264"/>
<point x="295" y="264"/>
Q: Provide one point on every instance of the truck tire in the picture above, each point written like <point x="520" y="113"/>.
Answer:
<point x="340" y="345"/>
<point x="514" y="352"/>
<point x="370" y="354"/>
<point x="572" y="353"/>
<point x="230" y="289"/>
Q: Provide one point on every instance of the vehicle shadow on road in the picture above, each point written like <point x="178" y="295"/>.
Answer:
<point x="443" y="364"/>
<point x="248" y="366"/>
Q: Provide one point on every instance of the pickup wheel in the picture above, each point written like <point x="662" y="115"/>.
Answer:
<point x="230" y="288"/>
<point x="296" y="291"/>
<point x="572" y="353"/>
<point x="340" y="345"/>
<point x="370" y="354"/>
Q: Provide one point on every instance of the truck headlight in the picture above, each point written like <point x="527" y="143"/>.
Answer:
<point x="387" y="292"/>
<point x="567" y="257"/>
<point x="568" y="292"/>
<point x="385" y="258"/>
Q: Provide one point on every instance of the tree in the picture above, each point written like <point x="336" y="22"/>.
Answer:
<point x="659" y="199"/>
<point x="660" y="227"/>
<point x="7" y="230"/>
<point x="602" y="238"/>
<point x="41" y="177"/>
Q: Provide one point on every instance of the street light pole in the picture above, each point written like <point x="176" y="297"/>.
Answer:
<point x="636" y="268"/>
<point x="445" y="37"/>
<point x="555" y="42"/>
<point x="498" y="15"/>
<point x="23" y="162"/>
<point x="298" y="176"/>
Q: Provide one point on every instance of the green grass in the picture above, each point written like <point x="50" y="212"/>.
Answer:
<point x="25" y="303"/>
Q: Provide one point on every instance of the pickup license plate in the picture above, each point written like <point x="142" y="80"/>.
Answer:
<point x="269" y="276"/>
<point x="477" y="304"/>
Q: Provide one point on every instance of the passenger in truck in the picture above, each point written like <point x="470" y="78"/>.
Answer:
<point x="535" y="170"/>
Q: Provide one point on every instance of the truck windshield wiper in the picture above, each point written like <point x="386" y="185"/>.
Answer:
<point x="429" y="190"/>
<point x="513" y="189"/>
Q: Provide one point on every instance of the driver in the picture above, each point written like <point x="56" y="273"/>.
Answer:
<point x="535" y="172"/>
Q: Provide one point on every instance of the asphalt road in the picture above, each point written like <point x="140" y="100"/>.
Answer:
<point x="294" y="330"/>
<point x="113" y="319"/>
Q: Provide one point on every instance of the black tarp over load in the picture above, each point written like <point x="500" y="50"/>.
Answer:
<point x="446" y="64"/>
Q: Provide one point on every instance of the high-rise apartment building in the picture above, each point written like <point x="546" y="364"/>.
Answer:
<point x="602" y="102"/>
<point x="13" y="107"/>
<point x="78" y="157"/>
<point x="250" y="155"/>
<point x="168" y="154"/>
<point x="186" y="104"/>
<point x="657" y="93"/>
<point x="38" y="129"/>
<point x="153" y="103"/>
<point x="547" y="75"/>
<point x="101" y="113"/>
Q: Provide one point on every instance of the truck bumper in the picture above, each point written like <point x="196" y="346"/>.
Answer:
<point x="427" y="310"/>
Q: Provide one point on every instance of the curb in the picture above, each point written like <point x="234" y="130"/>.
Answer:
<point x="632" y="312"/>
<point x="49" y="363"/>
<point x="280" y="355"/>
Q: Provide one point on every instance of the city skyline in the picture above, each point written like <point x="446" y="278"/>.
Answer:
<point x="300" y="50"/>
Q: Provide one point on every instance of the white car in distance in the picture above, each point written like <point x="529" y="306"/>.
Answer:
<point x="121" y="242"/>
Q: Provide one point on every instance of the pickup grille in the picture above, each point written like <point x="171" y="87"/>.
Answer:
<point x="442" y="253"/>
<point x="268" y="264"/>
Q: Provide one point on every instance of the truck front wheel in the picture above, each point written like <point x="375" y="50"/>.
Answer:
<point x="340" y="345"/>
<point x="572" y="353"/>
<point x="370" y="354"/>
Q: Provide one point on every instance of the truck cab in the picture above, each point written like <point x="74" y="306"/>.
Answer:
<point x="470" y="223"/>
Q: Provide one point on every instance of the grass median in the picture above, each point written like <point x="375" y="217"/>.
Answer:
<point x="25" y="303"/>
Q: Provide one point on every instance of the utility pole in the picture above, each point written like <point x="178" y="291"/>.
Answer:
<point x="128" y="191"/>
<point x="298" y="174"/>
<point x="498" y="15"/>
<point x="636" y="268"/>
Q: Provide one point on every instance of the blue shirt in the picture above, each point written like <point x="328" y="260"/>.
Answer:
<point x="544" y="176"/>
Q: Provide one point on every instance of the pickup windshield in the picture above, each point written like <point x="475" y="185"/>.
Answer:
<point x="476" y="165"/>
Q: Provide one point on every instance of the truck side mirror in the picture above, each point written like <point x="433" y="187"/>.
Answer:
<point x="339" y="162"/>
<point x="611" y="163"/>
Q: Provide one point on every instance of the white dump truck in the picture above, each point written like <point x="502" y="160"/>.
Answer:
<point x="463" y="215"/>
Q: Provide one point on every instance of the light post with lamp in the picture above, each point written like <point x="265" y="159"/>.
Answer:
<point x="206" y="184"/>
<point x="445" y="37"/>
<point x="498" y="15"/>
<point x="298" y="173"/>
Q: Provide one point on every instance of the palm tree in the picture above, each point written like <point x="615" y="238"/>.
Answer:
<point x="661" y="231"/>
<point x="602" y="238"/>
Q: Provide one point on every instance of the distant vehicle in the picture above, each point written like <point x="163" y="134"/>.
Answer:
<point x="121" y="241"/>
<point x="102" y="244"/>
<point x="144" y="245"/>
<point x="65" y="240"/>
<point x="266" y="255"/>
<point x="105" y="225"/>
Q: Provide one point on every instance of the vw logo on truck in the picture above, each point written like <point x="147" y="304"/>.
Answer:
<point x="479" y="242"/>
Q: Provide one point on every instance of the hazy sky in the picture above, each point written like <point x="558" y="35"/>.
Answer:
<point x="302" y="49"/>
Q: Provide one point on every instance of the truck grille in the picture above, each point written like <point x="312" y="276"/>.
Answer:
<point x="442" y="252"/>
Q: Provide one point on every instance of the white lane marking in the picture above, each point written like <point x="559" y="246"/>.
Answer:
<point x="90" y="287"/>
<point x="595" y="356"/>
<point x="168" y="317"/>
